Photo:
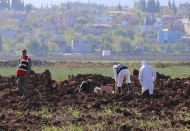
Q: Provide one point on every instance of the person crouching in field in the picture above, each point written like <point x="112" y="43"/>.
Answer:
<point x="147" y="76"/>
<point x="120" y="72"/>
<point x="86" y="86"/>
<point x="24" y="68"/>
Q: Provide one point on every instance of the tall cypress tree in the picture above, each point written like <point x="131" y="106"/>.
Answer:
<point x="28" y="7"/>
<point x="174" y="7"/>
<point x="149" y="6"/>
<point x="158" y="6"/>
<point x="169" y="4"/>
<point x="17" y="5"/>
<point x="8" y="4"/>
<point x="3" y="4"/>
<point x="68" y="5"/>
<point x="1" y="43"/>
<point x="119" y="7"/>
<point x="22" y="5"/>
<point x="143" y="5"/>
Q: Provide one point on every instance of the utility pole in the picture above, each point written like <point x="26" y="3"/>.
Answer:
<point x="102" y="47"/>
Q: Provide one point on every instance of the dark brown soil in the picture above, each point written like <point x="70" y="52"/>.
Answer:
<point x="170" y="97"/>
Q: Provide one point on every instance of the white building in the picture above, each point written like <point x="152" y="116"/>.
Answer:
<point x="103" y="19"/>
<point x="106" y="52"/>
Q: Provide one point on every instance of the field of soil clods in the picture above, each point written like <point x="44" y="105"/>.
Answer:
<point x="171" y="96"/>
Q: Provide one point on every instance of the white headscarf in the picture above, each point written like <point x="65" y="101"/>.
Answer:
<point x="114" y="66"/>
<point x="144" y="63"/>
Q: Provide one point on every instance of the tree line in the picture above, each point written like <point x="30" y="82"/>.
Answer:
<point x="17" y="5"/>
<point x="152" y="6"/>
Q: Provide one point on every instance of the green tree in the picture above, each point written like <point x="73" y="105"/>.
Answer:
<point x="121" y="44"/>
<point x="20" y="38"/>
<point x="158" y="6"/>
<point x="70" y="34"/>
<point x="130" y="33"/>
<point x="68" y="5"/>
<point x="20" y="46"/>
<point x="174" y="7"/>
<point x="4" y="4"/>
<point x="108" y="38"/>
<point x="119" y="7"/>
<point x="1" y="43"/>
<point x="11" y="43"/>
<point x="5" y="48"/>
<point x="138" y="40"/>
<point x="28" y="7"/>
<point x="53" y="47"/>
<point x="143" y="5"/>
<point x="17" y="5"/>
<point x="8" y="4"/>
<point x="169" y="4"/>
<point x="93" y="47"/>
<point x="151" y="6"/>
<point x="33" y="46"/>
<point x="107" y="41"/>
<point x="82" y="20"/>
<point x="119" y="32"/>
<point x="139" y="17"/>
<point x="107" y="45"/>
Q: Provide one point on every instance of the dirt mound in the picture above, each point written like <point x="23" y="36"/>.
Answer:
<point x="170" y="95"/>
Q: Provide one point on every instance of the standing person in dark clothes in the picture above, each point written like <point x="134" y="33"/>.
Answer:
<point x="23" y="71"/>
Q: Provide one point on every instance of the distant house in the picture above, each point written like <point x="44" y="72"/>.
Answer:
<point x="60" y="41"/>
<point x="176" y="26"/>
<point x="101" y="26"/>
<point x="103" y="20"/>
<point x="129" y="17"/>
<point x="80" y="45"/>
<point x="167" y="36"/>
<point x="113" y="12"/>
<point x="152" y="28"/>
<point x="185" y="39"/>
<point x="13" y="22"/>
<point x="168" y="18"/>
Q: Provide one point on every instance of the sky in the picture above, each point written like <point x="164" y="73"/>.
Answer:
<point x="130" y="3"/>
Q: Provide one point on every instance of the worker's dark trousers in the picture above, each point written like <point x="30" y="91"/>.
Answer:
<point x="22" y="84"/>
<point x="119" y="90"/>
